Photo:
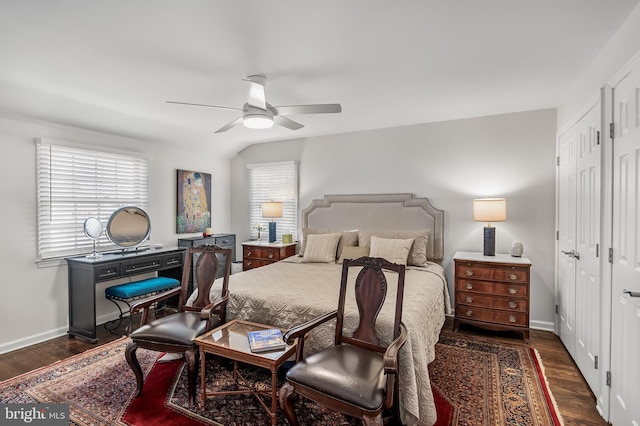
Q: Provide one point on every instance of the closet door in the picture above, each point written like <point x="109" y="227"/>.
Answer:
<point x="566" y="285"/>
<point x="625" y="291"/>
<point x="579" y="285"/>
<point x="588" y="283"/>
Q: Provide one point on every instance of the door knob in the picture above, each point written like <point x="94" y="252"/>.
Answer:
<point x="572" y="253"/>
<point x="631" y="293"/>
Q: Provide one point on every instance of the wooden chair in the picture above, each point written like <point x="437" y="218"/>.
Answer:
<point x="358" y="375"/>
<point x="175" y="333"/>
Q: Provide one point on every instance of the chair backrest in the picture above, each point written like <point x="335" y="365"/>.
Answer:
<point x="370" y="293"/>
<point x="207" y="264"/>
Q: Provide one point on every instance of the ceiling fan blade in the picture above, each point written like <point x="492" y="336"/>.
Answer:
<point x="257" y="97"/>
<point x="204" y="105"/>
<point x="285" y="122"/>
<point x="308" y="109"/>
<point x="230" y="125"/>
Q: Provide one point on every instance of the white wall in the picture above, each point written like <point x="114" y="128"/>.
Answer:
<point x="619" y="51"/>
<point x="34" y="300"/>
<point x="511" y="155"/>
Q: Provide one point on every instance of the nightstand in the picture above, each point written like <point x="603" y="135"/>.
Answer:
<point x="492" y="292"/>
<point x="255" y="254"/>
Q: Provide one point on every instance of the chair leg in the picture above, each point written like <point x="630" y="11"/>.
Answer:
<point x="192" y="356"/>
<point x="132" y="360"/>
<point x="372" y="421"/>
<point x="285" y="397"/>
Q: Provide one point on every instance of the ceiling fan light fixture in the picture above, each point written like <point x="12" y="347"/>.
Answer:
<point x="257" y="121"/>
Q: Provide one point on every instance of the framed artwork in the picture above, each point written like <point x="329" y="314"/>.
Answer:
<point x="194" y="202"/>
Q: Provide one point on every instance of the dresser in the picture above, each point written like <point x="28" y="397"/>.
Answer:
<point x="255" y="254"/>
<point x="492" y="292"/>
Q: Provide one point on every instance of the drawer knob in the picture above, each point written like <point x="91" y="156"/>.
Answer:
<point x="249" y="253"/>
<point x="270" y="255"/>
<point x="249" y="263"/>
<point x="469" y="299"/>
<point x="469" y="313"/>
<point x="512" y="318"/>
<point x="513" y="290"/>
<point x="469" y="272"/>
<point x="469" y="286"/>
<point x="513" y="276"/>
<point x="512" y="304"/>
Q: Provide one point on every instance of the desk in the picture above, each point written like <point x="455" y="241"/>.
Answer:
<point x="85" y="273"/>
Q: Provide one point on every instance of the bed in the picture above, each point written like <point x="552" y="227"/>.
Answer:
<point x="296" y="289"/>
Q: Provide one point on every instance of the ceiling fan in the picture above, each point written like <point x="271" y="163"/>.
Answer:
<point x="257" y="113"/>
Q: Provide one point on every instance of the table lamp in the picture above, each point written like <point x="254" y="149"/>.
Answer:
<point x="489" y="210"/>
<point x="272" y="210"/>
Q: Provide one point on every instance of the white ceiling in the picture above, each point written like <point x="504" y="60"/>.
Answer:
<point x="111" y="65"/>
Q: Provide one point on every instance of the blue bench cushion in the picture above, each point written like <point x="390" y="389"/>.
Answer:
<point x="138" y="288"/>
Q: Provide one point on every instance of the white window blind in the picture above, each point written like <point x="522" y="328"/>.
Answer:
<point x="75" y="182"/>
<point x="273" y="182"/>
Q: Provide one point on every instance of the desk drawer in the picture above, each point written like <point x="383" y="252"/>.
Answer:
<point x="140" y="266"/>
<point x="267" y="253"/>
<point x="108" y="271"/>
<point x="172" y="260"/>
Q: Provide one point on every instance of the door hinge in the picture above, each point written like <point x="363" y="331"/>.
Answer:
<point x="611" y="130"/>
<point x="556" y="309"/>
<point x="595" y="362"/>
<point x="598" y="137"/>
<point x="610" y="254"/>
<point x="557" y="235"/>
<point x="597" y="250"/>
<point x="557" y="160"/>
<point x="609" y="378"/>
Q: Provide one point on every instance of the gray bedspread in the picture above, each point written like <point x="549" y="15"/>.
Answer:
<point x="288" y="293"/>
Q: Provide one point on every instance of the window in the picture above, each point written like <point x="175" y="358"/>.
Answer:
<point x="75" y="182"/>
<point x="273" y="182"/>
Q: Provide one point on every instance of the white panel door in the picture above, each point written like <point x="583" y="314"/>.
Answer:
<point x="588" y="284"/>
<point x="625" y="312"/>
<point x="566" y="288"/>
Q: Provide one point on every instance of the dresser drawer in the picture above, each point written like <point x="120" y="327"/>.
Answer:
<point x="254" y="263"/>
<point x="495" y="288"/>
<point x="226" y="241"/>
<point x="108" y="271"/>
<point x="493" y="273"/>
<point x="268" y="253"/>
<point x="513" y="319"/>
<point x="171" y="260"/>
<point x="486" y="301"/>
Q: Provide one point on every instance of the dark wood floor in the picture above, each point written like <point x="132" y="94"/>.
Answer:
<point x="573" y="397"/>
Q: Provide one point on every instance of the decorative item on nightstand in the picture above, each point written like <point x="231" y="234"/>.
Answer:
<point x="272" y="210"/>
<point x="517" y="249"/>
<point x="489" y="210"/>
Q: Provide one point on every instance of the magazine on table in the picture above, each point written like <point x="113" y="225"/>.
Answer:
<point x="266" y="340"/>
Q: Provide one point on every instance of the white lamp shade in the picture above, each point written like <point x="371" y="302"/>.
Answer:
<point x="272" y="209"/>
<point x="490" y="209"/>
<point x="257" y="121"/>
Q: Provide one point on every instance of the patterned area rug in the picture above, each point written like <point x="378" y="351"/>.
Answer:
<point x="475" y="383"/>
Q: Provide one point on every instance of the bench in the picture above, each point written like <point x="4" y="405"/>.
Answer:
<point x="132" y="291"/>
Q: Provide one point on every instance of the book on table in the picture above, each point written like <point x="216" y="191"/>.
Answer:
<point x="266" y="340"/>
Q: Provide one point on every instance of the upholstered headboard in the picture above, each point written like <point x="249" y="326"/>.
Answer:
<point x="379" y="212"/>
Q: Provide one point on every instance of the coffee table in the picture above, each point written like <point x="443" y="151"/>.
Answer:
<point x="230" y="341"/>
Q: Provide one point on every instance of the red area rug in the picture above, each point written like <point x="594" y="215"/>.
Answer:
<point x="475" y="382"/>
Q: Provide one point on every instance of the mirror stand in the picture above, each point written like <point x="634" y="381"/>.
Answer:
<point x="93" y="229"/>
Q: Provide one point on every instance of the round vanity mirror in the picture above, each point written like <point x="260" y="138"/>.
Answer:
<point x="93" y="229"/>
<point x="128" y="227"/>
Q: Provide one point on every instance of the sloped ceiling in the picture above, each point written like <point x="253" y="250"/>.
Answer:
<point x="111" y="65"/>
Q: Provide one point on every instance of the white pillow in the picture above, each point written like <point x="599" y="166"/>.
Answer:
<point x="321" y="248"/>
<point x="393" y="250"/>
